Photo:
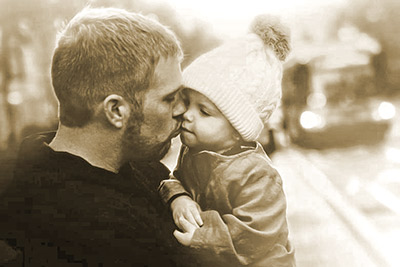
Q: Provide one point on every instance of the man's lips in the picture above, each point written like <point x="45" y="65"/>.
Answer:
<point x="176" y="132"/>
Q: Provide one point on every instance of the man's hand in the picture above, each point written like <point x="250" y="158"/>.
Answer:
<point x="186" y="236"/>
<point x="185" y="207"/>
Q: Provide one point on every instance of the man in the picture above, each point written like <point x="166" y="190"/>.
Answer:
<point x="88" y="194"/>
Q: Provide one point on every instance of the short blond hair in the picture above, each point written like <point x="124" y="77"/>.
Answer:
<point x="106" y="51"/>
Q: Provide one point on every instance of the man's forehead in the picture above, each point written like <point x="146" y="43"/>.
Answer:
<point x="177" y="89"/>
<point x="164" y="89"/>
<point x="167" y="77"/>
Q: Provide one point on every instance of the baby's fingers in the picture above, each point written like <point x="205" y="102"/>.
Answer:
<point x="177" y="223"/>
<point x="185" y="237"/>
<point x="197" y="217"/>
<point x="190" y="218"/>
<point x="187" y="227"/>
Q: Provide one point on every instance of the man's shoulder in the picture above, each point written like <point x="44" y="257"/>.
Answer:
<point x="33" y="144"/>
<point x="33" y="152"/>
<point x="38" y="139"/>
<point x="152" y="171"/>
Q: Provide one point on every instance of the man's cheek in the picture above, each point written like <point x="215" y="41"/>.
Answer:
<point x="164" y="126"/>
<point x="161" y="123"/>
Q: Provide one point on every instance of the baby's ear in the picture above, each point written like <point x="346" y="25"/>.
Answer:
<point x="236" y="136"/>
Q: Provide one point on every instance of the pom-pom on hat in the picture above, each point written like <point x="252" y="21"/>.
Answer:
<point x="243" y="76"/>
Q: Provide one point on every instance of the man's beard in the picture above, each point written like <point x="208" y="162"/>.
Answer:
<point x="139" y="148"/>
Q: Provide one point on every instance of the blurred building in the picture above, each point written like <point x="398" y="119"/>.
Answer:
<point x="334" y="94"/>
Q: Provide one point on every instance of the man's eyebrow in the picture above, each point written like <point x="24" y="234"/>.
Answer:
<point x="180" y="88"/>
<point x="175" y="91"/>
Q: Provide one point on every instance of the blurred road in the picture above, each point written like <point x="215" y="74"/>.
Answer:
<point x="344" y="203"/>
<point x="323" y="226"/>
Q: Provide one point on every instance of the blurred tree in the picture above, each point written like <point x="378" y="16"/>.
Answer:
<point x="380" y="66"/>
<point x="29" y="26"/>
<point x="12" y="67"/>
<point x="381" y="20"/>
<point x="195" y="40"/>
<point x="198" y="41"/>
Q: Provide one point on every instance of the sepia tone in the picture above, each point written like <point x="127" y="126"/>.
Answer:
<point x="335" y="138"/>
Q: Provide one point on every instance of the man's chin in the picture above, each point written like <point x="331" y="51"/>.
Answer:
<point x="153" y="153"/>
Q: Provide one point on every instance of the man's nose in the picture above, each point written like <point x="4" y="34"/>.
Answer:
<point x="179" y="107"/>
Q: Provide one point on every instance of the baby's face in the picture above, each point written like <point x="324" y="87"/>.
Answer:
<point x="204" y="127"/>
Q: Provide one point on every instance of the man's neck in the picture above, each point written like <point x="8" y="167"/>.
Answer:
<point x="91" y="144"/>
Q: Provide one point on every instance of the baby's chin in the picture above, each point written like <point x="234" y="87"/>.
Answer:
<point x="189" y="139"/>
<point x="196" y="148"/>
<point x="185" y="141"/>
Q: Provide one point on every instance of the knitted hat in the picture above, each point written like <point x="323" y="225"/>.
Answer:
<point x="243" y="77"/>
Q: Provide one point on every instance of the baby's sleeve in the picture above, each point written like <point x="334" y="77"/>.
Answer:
<point x="171" y="188"/>
<point x="256" y="230"/>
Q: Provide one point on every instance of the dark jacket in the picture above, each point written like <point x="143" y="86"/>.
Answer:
<point x="61" y="210"/>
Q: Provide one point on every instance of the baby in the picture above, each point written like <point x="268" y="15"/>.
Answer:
<point x="231" y="93"/>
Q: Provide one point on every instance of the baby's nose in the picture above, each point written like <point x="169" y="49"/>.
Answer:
<point x="188" y="115"/>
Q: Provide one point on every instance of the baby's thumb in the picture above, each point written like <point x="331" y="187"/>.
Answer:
<point x="180" y="237"/>
<point x="177" y="223"/>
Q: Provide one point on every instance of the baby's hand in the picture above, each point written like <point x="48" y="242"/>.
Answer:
<point x="185" y="207"/>
<point x="188" y="229"/>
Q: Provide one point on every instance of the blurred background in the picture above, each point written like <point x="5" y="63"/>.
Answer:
<point x="335" y="138"/>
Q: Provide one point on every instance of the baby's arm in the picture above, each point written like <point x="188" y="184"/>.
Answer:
<point x="174" y="195"/>
<point x="256" y="225"/>
<point x="182" y="205"/>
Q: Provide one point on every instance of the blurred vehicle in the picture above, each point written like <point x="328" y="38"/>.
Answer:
<point x="273" y="136"/>
<point x="333" y="100"/>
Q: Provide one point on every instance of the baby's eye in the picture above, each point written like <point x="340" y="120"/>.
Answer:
<point x="204" y="112"/>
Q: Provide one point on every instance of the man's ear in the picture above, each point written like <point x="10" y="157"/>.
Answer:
<point x="117" y="110"/>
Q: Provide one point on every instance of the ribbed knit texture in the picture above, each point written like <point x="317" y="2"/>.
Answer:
<point x="243" y="79"/>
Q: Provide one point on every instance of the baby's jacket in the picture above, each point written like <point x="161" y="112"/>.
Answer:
<point x="243" y="203"/>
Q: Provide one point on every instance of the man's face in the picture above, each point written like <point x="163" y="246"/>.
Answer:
<point x="162" y="108"/>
